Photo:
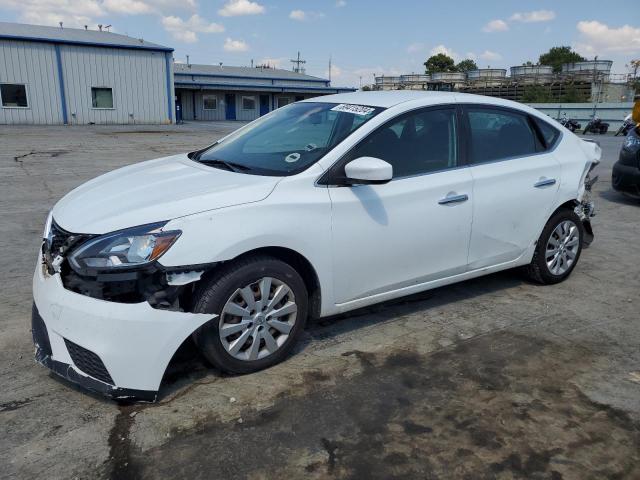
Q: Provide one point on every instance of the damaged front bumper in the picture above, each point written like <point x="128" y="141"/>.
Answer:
<point x="116" y="349"/>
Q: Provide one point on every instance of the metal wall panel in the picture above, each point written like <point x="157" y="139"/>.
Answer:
<point x="32" y="64"/>
<point x="138" y="79"/>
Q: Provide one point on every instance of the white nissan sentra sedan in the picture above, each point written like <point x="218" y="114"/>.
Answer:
<point x="317" y="208"/>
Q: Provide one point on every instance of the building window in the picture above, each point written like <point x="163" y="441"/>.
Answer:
<point x="102" y="97"/>
<point x="13" y="95"/>
<point x="282" y="101"/>
<point x="210" y="102"/>
<point x="248" y="103"/>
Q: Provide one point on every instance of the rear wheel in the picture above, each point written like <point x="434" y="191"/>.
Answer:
<point x="261" y="303"/>
<point x="558" y="248"/>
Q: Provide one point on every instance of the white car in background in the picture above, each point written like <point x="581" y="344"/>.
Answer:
<point x="317" y="208"/>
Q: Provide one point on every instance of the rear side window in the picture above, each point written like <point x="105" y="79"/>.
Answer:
<point x="549" y="134"/>
<point x="498" y="134"/>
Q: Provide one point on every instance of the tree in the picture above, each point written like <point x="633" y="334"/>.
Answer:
<point x="556" y="56"/>
<point x="466" y="65"/>
<point x="439" y="63"/>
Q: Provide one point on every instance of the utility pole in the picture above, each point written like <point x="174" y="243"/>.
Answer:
<point x="329" y="68"/>
<point x="298" y="62"/>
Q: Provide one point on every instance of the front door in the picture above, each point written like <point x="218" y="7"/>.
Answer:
<point x="230" y="106"/>
<point x="264" y="104"/>
<point x="415" y="228"/>
<point x="515" y="183"/>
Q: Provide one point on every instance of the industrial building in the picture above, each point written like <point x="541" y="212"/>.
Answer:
<point x="55" y="75"/>
<point x="219" y="92"/>
<point x="589" y="81"/>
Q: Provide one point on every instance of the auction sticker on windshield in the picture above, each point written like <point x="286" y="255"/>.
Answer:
<point x="355" y="109"/>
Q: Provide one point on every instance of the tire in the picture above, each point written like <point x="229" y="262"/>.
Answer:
<point x="539" y="270"/>
<point x="230" y="287"/>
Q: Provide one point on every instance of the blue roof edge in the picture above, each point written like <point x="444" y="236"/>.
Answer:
<point x="22" y="38"/>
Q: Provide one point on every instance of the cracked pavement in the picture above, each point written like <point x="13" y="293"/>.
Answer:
<point x="490" y="378"/>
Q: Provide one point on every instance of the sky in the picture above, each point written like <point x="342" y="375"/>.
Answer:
<point x="362" y="38"/>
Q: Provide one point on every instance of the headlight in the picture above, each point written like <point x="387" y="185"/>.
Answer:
<point x="126" y="248"/>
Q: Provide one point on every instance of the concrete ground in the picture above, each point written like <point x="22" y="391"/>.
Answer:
<point x="490" y="378"/>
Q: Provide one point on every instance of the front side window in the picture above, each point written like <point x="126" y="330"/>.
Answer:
<point x="287" y="140"/>
<point x="248" y="103"/>
<point x="210" y="102"/>
<point x="101" y="97"/>
<point x="416" y="143"/>
<point x="498" y="134"/>
<point x="13" y="95"/>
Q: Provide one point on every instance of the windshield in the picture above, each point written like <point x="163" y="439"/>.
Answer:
<point x="287" y="140"/>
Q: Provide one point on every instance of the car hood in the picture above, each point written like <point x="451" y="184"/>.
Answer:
<point x="153" y="191"/>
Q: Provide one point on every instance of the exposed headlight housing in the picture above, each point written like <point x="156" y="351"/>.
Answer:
<point x="123" y="249"/>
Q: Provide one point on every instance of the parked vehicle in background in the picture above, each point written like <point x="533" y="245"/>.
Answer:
<point x="317" y="208"/>
<point x="626" y="126"/>
<point x="625" y="176"/>
<point x="595" y="125"/>
<point x="569" y="123"/>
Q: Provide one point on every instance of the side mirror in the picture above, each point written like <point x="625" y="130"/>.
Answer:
<point x="368" y="170"/>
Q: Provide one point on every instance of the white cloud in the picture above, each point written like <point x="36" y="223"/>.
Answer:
<point x="415" y="47"/>
<point x="234" y="8"/>
<point x="231" y="45"/>
<point x="127" y="7"/>
<point x="447" y="51"/>
<point x="490" y="56"/>
<point x="301" y="15"/>
<point x="74" y="13"/>
<point x="535" y="16"/>
<point x="341" y="3"/>
<point x="598" y="38"/>
<point x="186" y="30"/>
<point x="495" y="26"/>
<point x="298" y="15"/>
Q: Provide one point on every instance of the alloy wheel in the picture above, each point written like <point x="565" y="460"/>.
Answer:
<point x="562" y="247"/>
<point x="257" y="319"/>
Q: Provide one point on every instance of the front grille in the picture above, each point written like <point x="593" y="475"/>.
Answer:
<point x="39" y="333"/>
<point x="88" y="362"/>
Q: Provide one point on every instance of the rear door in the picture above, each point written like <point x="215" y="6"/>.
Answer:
<point x="515" y="183"/>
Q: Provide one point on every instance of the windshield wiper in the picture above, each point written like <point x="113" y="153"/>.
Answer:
<point x="231" y="166"/>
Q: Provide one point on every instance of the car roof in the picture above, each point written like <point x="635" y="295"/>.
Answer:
<point x="391" y="98"/>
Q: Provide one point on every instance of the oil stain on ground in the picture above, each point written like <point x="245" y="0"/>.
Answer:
<point x="497" y="406"/>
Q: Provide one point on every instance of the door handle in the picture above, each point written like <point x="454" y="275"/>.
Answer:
<point x="545" y="183"/>
<point x="453" y="199"/>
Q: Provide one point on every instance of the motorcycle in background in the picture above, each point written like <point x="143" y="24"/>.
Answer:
<point x="596" y="125"/>
<point x="569" y="123"/>
<point x="627" y="125"/>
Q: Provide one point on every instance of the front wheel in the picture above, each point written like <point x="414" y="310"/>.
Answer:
<point x="558" y="249"/>
<point x="261" y="303"/>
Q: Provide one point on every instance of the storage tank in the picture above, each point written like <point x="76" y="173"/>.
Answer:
<point x="486" y="74"/>
<point x="531" y="70"/>
<point x="448" y="77"/>
<point x="415" y="78"/>
<point x="532" y="73"/>
<point x="387" y="83"/>
<point x="591" y="70"/>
